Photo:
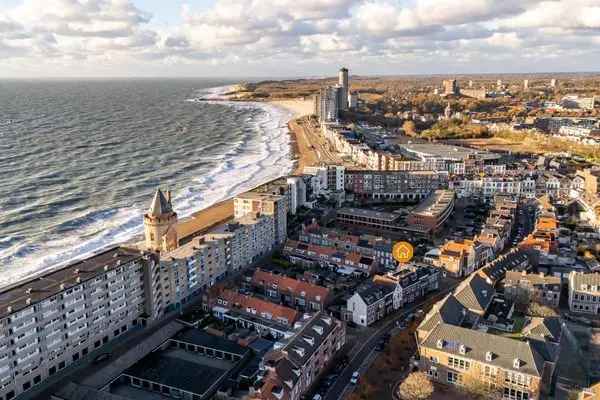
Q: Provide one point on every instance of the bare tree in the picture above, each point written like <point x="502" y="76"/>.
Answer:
<point x="416" y="386"/>
<point x="479" y="390"/>
<point x="409" y="128"/>
<point x="539" y="310"/>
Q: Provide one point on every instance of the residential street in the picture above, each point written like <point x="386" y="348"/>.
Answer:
<point x="363" y="349"/>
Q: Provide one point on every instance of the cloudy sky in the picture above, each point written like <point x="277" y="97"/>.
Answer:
<point x="286" y="38"/>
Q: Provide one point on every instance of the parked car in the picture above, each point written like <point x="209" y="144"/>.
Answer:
<point x="354" y="379"/>
<point x="101" y="357"/>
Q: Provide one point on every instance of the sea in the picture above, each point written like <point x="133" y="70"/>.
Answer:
<point x="81" y="159"/>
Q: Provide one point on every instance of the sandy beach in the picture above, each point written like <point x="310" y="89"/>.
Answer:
<point x="300" y="107"/>
<point x="202" y="220"/>
<point x="305" y="149"/>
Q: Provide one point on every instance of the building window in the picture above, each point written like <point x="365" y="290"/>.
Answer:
<point x="459" y="363"/>
<point x="454" y="378"/>
<point x="517" y="379"/>
<point x="514" y="394"/>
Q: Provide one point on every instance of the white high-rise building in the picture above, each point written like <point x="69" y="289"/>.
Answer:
<point x="327" y="107"/>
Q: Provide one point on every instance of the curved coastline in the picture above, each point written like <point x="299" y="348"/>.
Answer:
<point x="271" y="156"/>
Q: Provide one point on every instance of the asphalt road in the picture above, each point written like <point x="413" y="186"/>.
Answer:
<point x="339" y="387"/>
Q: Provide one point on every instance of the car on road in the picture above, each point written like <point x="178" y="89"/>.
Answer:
<point x="317" y="397"/>
<point x="354" y="379"/>
<point x="101" y="357"/>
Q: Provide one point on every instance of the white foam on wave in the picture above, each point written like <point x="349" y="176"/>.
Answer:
<point x="238" y="170"/>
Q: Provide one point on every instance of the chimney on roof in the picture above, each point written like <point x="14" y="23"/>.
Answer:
<point x="28" y="301"/>
<point x="9" y="309"/>
<point x="28" y="290"/>
<point x="76" y="271"/>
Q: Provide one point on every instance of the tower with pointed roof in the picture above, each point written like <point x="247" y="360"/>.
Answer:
<point x="159" y="223"/>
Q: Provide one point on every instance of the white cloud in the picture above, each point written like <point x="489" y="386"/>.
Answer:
<point x="264" y="36"/>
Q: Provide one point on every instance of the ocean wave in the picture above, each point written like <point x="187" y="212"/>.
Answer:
<point x="262" y="152"/>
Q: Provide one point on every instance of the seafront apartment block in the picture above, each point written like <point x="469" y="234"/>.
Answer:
<point x="52" y="320"/>
<point x="257" y="203"/>
<point x="205" y="260"/>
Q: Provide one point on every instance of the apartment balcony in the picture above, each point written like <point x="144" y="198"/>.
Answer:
<point x="49" y="313"/>
<point x="26" y="347"/>
<point x="24" y="336"/>
<point x="54" y="343"/>
<point x="5" y="370"/>
<point x="78" y="330"/>
<point x="23" y="325"/>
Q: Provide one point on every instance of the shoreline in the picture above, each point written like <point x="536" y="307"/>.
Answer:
<point x="301" y="147"/>
<point x="199" y="222"/>
<point x="203" y="217"/>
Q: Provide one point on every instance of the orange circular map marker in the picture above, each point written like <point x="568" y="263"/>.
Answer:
<point x="402" y="252"/>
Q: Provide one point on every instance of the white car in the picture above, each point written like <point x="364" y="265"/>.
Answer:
<point x="354" y="379"/>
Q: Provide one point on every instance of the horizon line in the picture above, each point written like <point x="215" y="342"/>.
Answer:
<point x="282" y="77"/>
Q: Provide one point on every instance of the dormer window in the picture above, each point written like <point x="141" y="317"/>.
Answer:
<point x="462" y="349"/>
<point x="489" y="356"/>
<point x="517" y="363"/>
<point x="440" y="344"/>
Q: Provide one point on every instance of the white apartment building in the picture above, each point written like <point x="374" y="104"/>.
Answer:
<point x="258" y="203"/>
<point x="490" y="186"/>
<point x="584" y="293"/>
<point x="297" y="193"/>
<point x="205" y="260"/>
<point x="331" y="177"/>
<point x="52" y="320"/>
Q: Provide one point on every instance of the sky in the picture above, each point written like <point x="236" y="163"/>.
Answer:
<point x="295" y="38"/>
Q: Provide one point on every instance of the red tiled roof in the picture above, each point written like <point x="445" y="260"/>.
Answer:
<point x="294" y="286"/>
<point x="261" y="306"/>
